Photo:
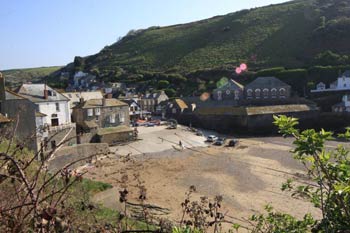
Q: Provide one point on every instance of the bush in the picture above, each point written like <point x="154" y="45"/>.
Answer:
<point x="170" y="92"/>
<point x="163" y="84"/>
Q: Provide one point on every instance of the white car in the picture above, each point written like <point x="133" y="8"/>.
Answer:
<point x="211" y="138"/>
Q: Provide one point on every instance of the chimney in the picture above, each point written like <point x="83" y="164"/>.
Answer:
<point x="109" y="96"/>
<point x="81" y="100"/>
<point x="2" y="88"/>
<point x="46" y="92"/>
<point x="104" y="102"/>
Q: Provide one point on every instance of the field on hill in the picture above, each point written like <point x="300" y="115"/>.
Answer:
<point x="289" y="35"/>
<point x="17" y="76"/>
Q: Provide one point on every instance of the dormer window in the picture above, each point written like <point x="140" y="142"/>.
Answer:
<point x="51" y="93"/>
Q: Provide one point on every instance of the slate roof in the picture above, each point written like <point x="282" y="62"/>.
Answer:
<point x="86" y="95"/>
<point x="90" y="124"/>
<point x="278" y="109"/>
<point x="98" y="103"/>
<point x="267" y="82"/>
<point x="256" y="110"/>
<point x="10" y="95"/>
<point x="113" y="130"/>
<point x="35" y="93"/>
<point x="40" y="114"/>
<point x="231" y="83"/>
<point x="130" y="101"/>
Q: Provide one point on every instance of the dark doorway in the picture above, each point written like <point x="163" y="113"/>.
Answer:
<point x="53" y="144"/>
<point x="54" y="122"/>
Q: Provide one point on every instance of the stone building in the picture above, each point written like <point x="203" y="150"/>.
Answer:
<point x="231" y="91"/>
<point x="150" y="101"/>
<point x="97" y="119"/>
<point x="267" y="88"/>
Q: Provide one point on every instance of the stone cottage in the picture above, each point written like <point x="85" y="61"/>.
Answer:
<point x="94" y="116"/>
<point x="267" y="88"/>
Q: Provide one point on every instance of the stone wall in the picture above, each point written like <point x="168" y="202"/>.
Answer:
<point x="69" y="154"/>
<point x="244" y="124"/>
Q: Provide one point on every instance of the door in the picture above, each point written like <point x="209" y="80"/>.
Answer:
<point x="54" y="122"/>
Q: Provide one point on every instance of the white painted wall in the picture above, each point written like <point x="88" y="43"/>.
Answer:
<point x="49" y="108"/>
<point x="343" y="83"/>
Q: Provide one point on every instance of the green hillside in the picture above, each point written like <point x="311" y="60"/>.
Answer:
<point x="291" y="35"/>
<point x="17" y="76"/>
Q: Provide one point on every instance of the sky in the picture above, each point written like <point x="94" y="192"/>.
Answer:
<point x="36" y="33"/>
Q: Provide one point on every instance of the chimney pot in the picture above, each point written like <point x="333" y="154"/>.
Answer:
<point x="104" y="102"/>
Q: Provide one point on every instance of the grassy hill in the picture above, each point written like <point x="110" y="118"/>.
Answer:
<point x="291" y="35"/>
<point x="17" y="76"/>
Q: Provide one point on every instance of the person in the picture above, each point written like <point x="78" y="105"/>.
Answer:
<point x="180" y="144"/>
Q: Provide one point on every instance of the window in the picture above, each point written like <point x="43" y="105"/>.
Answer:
<point x="266" y="93"/>
<point x="249" y="93"/>
<point x="57" y="107"/>
<point x="273" y="92"/>
<point x="282" y="92"/>
<point x="219" y="95"/>
<point x="174" y="110"/>
<point x="90" y="112"/>
<point x="121" y="117"/>
<point x="236" y="95"/>
<point x="228" y="92"/>
<point x="97" y="111"/>
<point x="257" y="93"/>
<point x="112" y="118"/>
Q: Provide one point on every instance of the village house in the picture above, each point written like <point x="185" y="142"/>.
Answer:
<point x="39" y="112"/>
<point x="232" y="90"/>
<point x="267" y="88"/>
<point x="175" y="108"/>
<point x="150" y="101"/>
<point x="341" y="84"/>
<point x="134" y="109"/>
<point x="82" y="81"/>
<point x="344" y="106"/>
<point x="102" y="120"/>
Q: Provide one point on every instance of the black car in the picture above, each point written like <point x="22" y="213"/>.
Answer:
<point x="233" y="142"/>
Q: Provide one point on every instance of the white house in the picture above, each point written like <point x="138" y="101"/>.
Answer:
<point x="52" y="107"/>
<point x="344" y="106"/>
<point x="342" y="83"/>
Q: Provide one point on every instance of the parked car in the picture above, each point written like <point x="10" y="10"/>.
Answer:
<point x="233" y="142"/>
<point x="211" y="138"/>
<point x="199" y="133"/>
<point x="219" y="142"/>
<point x="150" y="124"/>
